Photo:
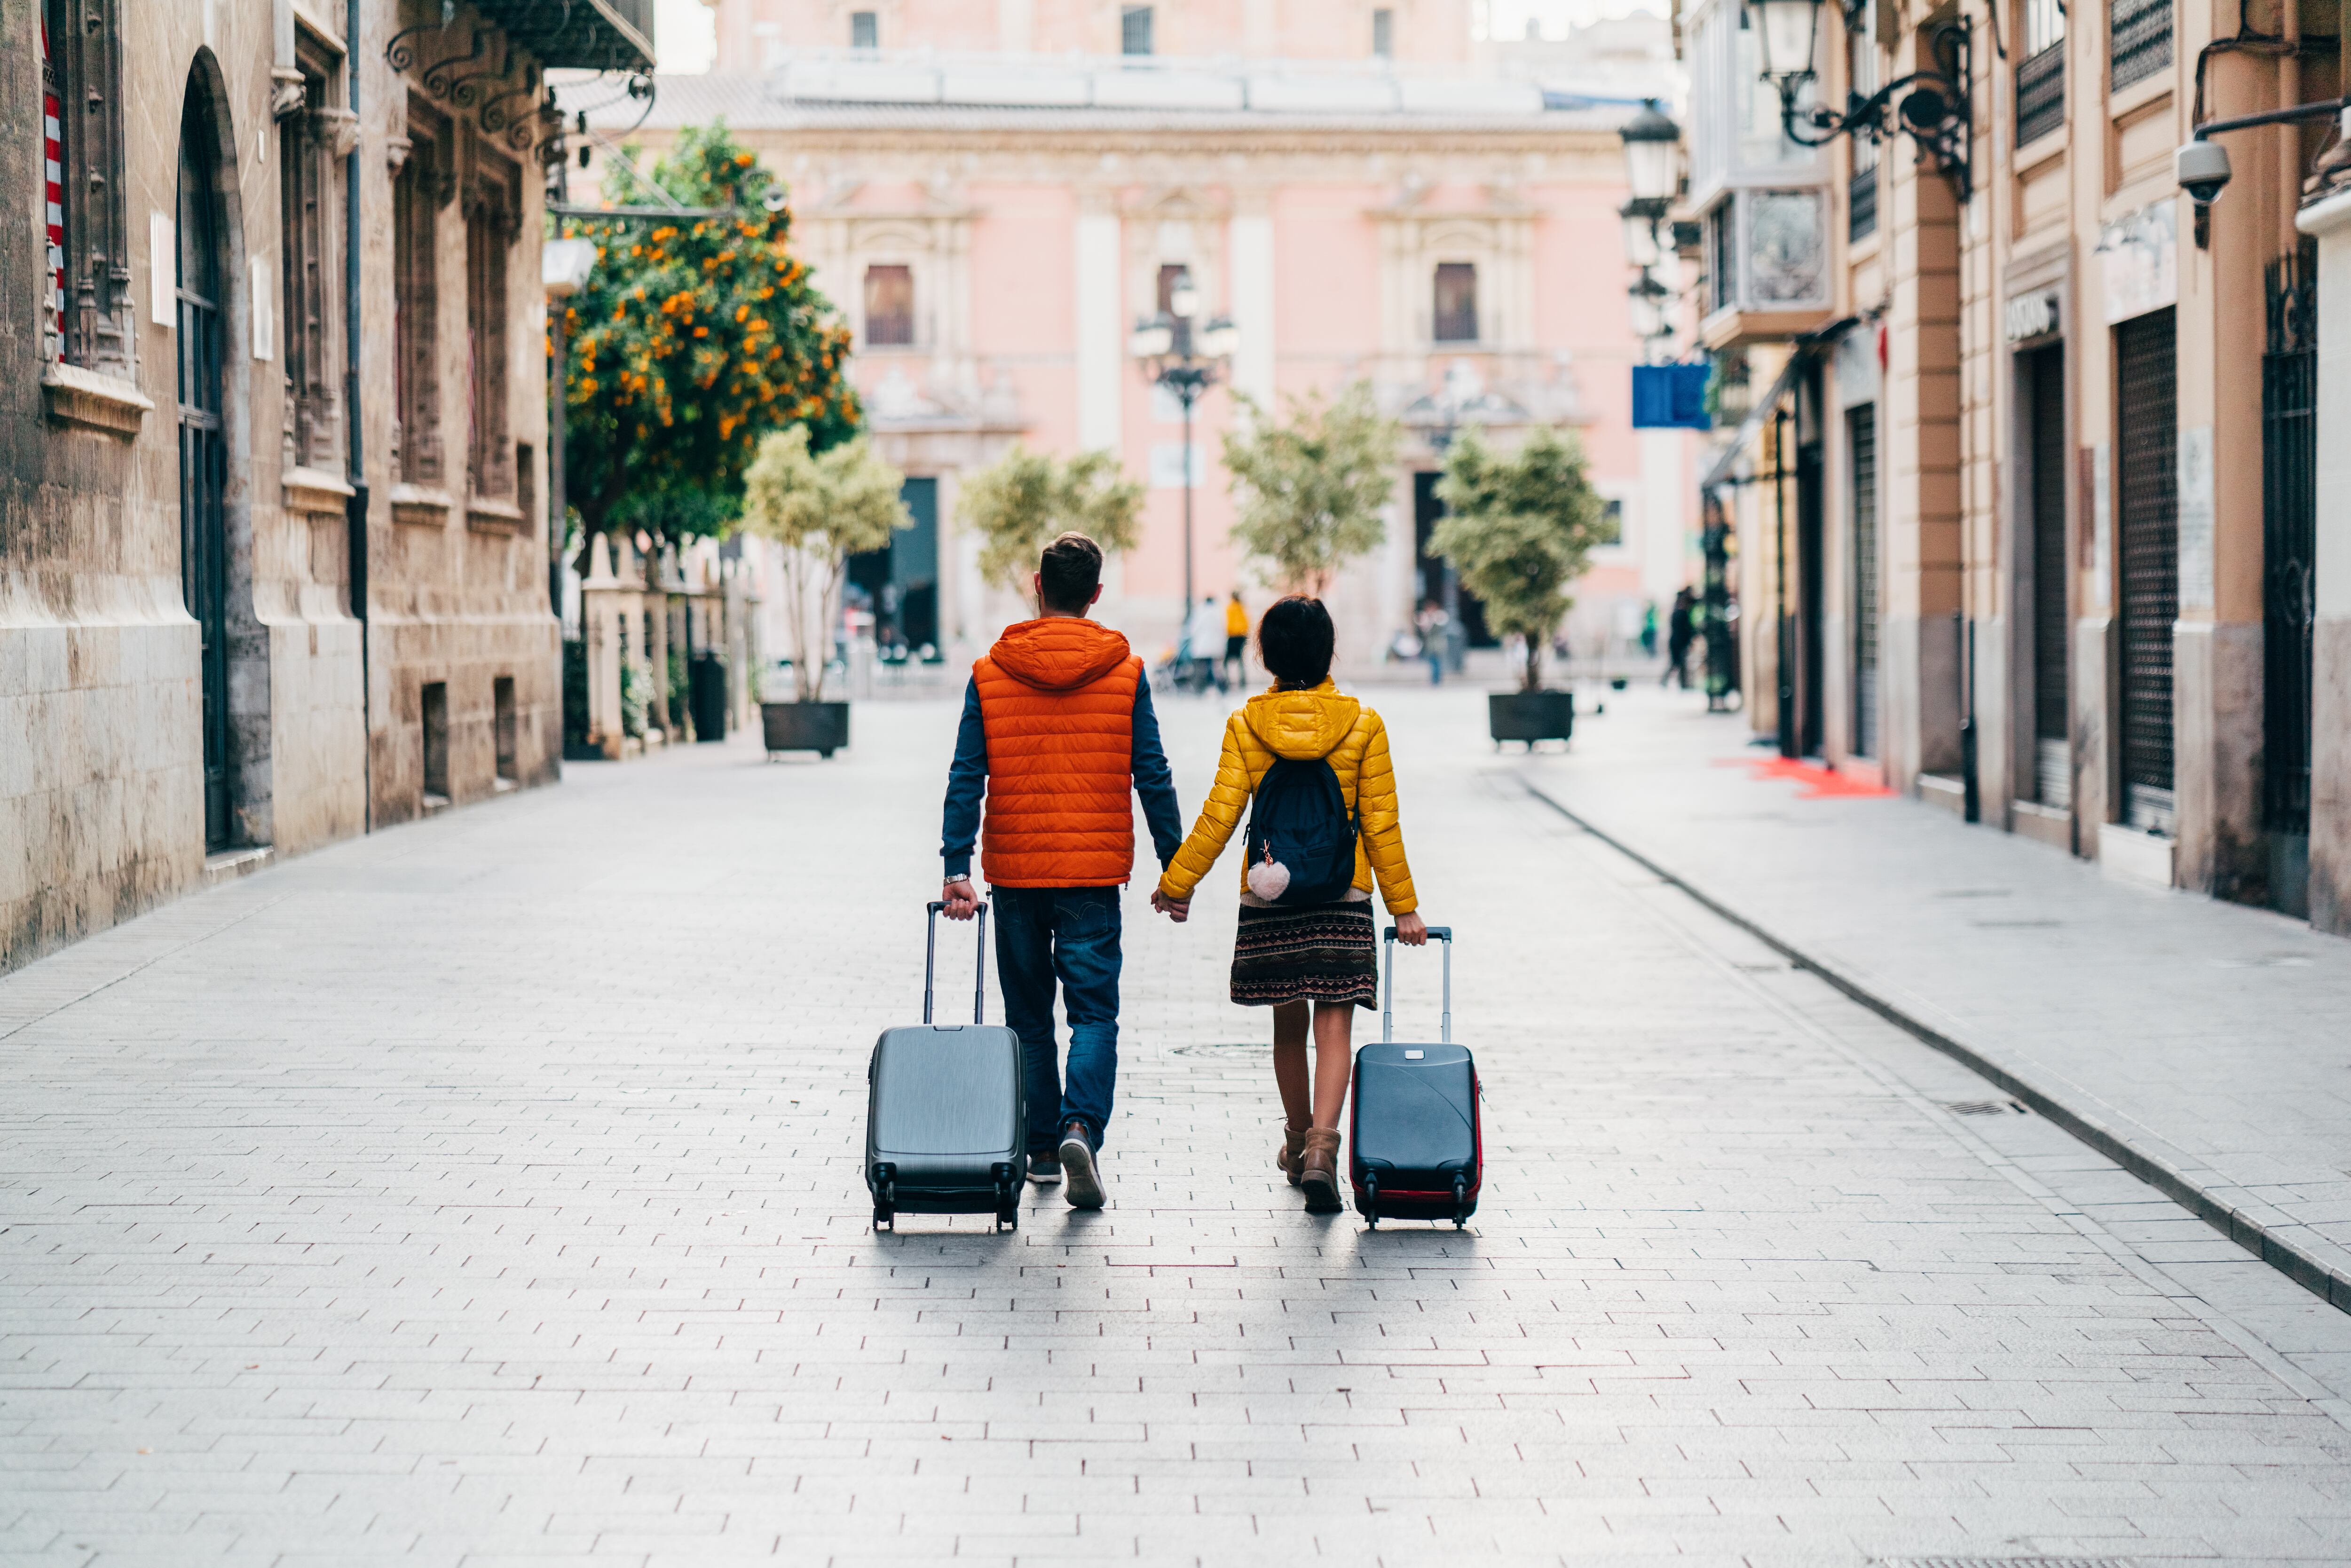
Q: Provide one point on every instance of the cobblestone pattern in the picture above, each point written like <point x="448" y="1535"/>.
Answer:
<point x="487" y="1192"/>
<point x="2206" y="1036"/>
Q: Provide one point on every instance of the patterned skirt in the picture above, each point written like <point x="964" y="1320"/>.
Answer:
<point x="1322" y="952"/>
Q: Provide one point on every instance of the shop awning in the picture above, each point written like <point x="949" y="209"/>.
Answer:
<point x="1809" y="347"/>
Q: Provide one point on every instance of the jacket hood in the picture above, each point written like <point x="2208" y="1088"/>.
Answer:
<point x="1058" y="653"/>
<point x="1302" y="725"/>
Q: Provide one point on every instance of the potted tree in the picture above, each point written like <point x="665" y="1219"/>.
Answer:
<point x="1518" y="529"/>
<point x="823" y="508"/>
<point x="1308" y="488"/>
<point x="1017" y="504"/>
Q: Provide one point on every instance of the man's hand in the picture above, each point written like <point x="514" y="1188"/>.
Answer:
<point x="961" y="898"/>
<point x="1412" y="930"/>
<point x="1177" y="910"/>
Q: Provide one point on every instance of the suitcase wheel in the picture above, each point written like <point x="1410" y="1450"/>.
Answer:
<point x="886" y="1199"/>
<point x="885" y="1217"/>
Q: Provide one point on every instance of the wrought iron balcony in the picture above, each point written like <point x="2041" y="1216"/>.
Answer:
<point x="593" y="35"/>
<point x="2040" y="94"/>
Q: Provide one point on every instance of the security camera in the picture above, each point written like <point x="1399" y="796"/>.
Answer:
<point x="2203" y="169"/>
<point x="774" y="197"/>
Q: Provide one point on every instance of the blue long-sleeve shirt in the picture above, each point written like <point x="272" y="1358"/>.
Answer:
<point x="1154" y="782"/>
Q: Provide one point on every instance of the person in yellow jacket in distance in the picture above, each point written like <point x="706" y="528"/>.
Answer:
<point x="1313" y="963"/>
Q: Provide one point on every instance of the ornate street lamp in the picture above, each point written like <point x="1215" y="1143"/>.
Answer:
<point x="1653" y="176"/>
<point x="1650" y="141"/>
<point x="1188" y="357"/>
<point x="1930" y="107"/>
<point x="1641" y="246"/>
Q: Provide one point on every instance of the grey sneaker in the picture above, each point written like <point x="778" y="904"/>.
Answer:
<point x="1085" y="1189"/>
<point x="1044" y="1169"/>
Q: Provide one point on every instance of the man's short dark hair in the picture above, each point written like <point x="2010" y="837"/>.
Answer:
<point x="1294" y="638"/>
<point x="1069" y="573"/>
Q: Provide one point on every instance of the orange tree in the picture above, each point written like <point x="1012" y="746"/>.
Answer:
<point x="691" y="339"/>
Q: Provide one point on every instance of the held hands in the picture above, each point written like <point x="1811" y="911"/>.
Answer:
<point x="1412" y="930"/>
<point x="1177" y="910"/>
<point x="961" y="898"/>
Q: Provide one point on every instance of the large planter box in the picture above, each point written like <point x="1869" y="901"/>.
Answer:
<point x="820" y="728"/>
<point x="1530" y="715"/>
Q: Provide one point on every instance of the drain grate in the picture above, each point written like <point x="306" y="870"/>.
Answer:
<point x="1220" y="1047"/>
<point x="1990" y="1108"/>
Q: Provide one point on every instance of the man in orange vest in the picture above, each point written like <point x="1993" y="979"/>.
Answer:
<point x="1057" y="729"/>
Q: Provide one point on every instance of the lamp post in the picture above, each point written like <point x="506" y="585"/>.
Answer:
<point x="1932" y="108"/>
<point x="1187" y="356"/>
<point x="563" y="265"/>
<point x="1652" y="180"/>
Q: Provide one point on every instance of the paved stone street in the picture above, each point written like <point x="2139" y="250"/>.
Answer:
<point x="487" y="1191"/>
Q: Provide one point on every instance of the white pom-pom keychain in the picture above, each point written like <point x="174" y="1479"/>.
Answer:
<point x="1268" y="879"/>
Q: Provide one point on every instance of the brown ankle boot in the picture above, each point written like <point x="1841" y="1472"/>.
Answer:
<point x="1294" y="1148"/>
<point x="1319" y="1171"/>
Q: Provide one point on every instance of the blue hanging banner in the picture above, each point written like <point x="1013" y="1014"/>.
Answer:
<point x="1670" y="397"/>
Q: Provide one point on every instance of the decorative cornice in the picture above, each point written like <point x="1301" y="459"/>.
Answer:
<point x="82" y="397"/>
<point x="313" y="490"/>
<point x="421" y="507"/>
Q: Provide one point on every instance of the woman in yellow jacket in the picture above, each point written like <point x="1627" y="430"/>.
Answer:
<point x="1316" y="957"/>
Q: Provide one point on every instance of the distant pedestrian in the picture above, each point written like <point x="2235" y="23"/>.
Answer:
<point x="1237" y="629"/>
<point x="1205" y="633"/>
<point x="1435" y="627"/>
<point x="1312" y="961"/>
<point x="1680" y="630"/>
<point x="1649" y="629"/>
<point x="1057" y="727"/>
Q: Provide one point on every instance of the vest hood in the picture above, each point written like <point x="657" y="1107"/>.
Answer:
<point x="1058" y="653"/>
<point x="1302" y="725"/>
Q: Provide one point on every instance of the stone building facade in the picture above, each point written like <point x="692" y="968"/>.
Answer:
<point x="288" y="247"/>
<point x="993" y="194"/>
<point x="2023" y="493"/>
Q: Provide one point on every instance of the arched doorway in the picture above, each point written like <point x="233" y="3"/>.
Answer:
<point x="203" y="446"/>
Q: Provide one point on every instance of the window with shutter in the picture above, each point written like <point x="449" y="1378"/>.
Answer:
<point x="311" y="142"/>
<point x="423" y="187"/>
<point x="89" y="270"/>
<point x="492" y="217"/>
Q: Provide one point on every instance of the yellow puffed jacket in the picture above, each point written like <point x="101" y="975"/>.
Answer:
<point x="1301" y="726"/>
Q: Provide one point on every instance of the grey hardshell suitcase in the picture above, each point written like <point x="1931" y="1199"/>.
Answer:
<point x="944" y="1125"/>
<point x="1419" y="1145"/>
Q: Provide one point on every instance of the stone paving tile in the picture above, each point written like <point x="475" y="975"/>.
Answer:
<point x="487" y="1191"/>
<point x="2205" y="1035"/>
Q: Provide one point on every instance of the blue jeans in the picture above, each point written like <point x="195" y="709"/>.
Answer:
<point x="1069" y="935"/>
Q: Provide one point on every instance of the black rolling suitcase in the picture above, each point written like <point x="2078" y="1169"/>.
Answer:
<point x="944" y="1127"/>
<point x="1416" y="1150"/>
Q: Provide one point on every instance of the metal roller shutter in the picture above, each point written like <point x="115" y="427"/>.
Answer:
<point x="2052" y="693"/>
<point x="2147" y="416"/>
<point x="1860" y="440"/>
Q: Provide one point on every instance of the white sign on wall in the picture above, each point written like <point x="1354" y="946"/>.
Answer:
<point x="2196" y="517"/>
<point x="1167" y="466"/>
<point x="2139" y="261"/>
<point x="264" y="321"/>
<point x="162" y="271"/>
<point x="2102" y="530"/>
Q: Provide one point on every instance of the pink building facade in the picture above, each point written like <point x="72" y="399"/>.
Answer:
<point x="993" y="196"/>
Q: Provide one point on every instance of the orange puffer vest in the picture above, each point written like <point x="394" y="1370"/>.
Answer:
<point x="1057" y="703"/>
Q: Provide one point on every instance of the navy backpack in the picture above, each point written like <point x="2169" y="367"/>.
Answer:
<point x="1301" y="837"/>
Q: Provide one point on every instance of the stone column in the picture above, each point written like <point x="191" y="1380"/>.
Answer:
<point x="601" y="598"/>
<point x="2330" y="765"/>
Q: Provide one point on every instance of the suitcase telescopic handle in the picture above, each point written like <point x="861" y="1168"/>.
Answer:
<point x="1387" y="1008"/>
<point x="930" y="962"/>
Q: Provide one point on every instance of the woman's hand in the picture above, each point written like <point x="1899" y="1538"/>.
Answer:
<point x="1412" y="930"/>
<point x="1177" y="910"/>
